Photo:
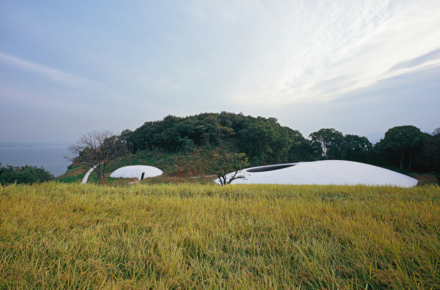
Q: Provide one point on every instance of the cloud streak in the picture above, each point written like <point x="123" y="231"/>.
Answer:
<point x="55" y="76"/>
<point x="318" y="50"/>
<point x="142" y="60"/>
<point x="430" y="56"/>
<point x="52" y="74"/>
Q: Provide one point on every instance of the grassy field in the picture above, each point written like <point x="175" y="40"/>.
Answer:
<point x="190" y="236"/>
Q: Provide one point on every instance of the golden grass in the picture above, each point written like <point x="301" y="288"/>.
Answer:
<point x="185" y="236"/>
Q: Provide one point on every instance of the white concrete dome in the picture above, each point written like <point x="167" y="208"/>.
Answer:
<point x="324" y="172"/>
<point x="136" y="171"/>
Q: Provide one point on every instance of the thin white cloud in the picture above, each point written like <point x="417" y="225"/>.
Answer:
<point x="70" y="82"/>
<point x="303" y="51"/>
<point x="142" y="61"/>
<point x="50" y="73"/>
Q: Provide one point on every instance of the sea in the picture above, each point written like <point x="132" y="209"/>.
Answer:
<point x="48" y="156"/>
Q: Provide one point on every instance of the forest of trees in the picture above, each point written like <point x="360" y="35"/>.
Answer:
<point x="265" y="141"/>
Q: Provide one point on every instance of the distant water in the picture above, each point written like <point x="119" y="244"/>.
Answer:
<point x="48" y="157"/>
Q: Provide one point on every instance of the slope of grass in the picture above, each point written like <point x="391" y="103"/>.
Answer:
<point x="190" y="236"/>
<point x="74" y="173"/>
<point x="172" y="165"/>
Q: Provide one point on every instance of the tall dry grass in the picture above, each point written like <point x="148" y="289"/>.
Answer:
<point x="187" y="236"/>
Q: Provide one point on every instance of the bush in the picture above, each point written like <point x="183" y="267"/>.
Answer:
<point x="26" y="175"/>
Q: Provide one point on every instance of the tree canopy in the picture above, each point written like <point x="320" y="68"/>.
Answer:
<point x="25" y="175"/>
<point x="265" y="141"/>
<point x="402" y="142"/>
<point x="431" y="153"/>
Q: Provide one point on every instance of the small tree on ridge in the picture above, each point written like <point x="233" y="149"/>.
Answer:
<point x="98" y="149"/>
<point x="225" y="163"/>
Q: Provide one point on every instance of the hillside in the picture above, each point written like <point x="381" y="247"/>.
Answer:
<point x="183" y="146"/>
<point x="177" y="167"/>
<point x="264" y="140"/>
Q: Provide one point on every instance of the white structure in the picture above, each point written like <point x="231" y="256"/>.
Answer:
<point x="136" y="171"/>
<point x="324" y="172"/>
<point x="84" y="181"/>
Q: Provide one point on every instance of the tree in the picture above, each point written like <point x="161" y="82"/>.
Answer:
<point x="265" y="140"/>
<point x="225" y="163"/>
<point x="436" y="131"/>
<point x="26" y="175"/>
<point x="431" y="153"/>
<point x="401" y="142"/>
<point x="329" y="140"/>
<point x="98" y="149"/>
<point x="381" y="151"/>
<point x="355" y="147"/>
<point x="187" y="145"/>
<point x="301" y="149"/>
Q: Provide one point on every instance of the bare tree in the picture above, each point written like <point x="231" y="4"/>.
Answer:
<point x="224" y="163"/>
<point x="98" y="149"/>
<point x="436" y="131"/>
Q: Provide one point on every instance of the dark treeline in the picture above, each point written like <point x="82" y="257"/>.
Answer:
<point x="265" y="141"/>
<point x="23" y="175"/>
<point x="262" y="139"/>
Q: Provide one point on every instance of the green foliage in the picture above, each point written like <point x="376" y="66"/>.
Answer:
<point x="181" y="146"/>
<point x="188" y="145"/>
<point x="401" y="143"/>
<point x="26" y="175"/>
<point x="266" y="139"/>
<point x="431" y="153"/>
<point x="188" y="236"/>
<point x="262" y="139"/>
<point x="69" y="179"/>
<point x="330" y="142"/>
<point x="356" y="148"/>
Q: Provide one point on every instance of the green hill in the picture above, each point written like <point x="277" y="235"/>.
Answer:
<point x="183" y="146"/>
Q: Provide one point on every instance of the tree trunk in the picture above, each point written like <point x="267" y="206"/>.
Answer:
<point x="98" y="171"/>
<point x="256" y="148"/>
<point x="103" y="171"/>
<point x="402" y="160"/>
<point x="410" y="161"/>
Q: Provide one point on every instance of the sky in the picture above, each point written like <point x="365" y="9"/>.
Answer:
<point x="361" y="67"/>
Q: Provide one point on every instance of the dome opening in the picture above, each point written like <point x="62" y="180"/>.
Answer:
<point x="269" y="168"/>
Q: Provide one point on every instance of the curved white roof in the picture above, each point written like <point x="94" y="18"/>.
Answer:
<point x="135" y="171"/>
<point x="324" y="172"/>
<point x="86" y="177"/>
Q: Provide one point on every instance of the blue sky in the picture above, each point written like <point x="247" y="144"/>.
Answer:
<point x="361" y="67"/>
